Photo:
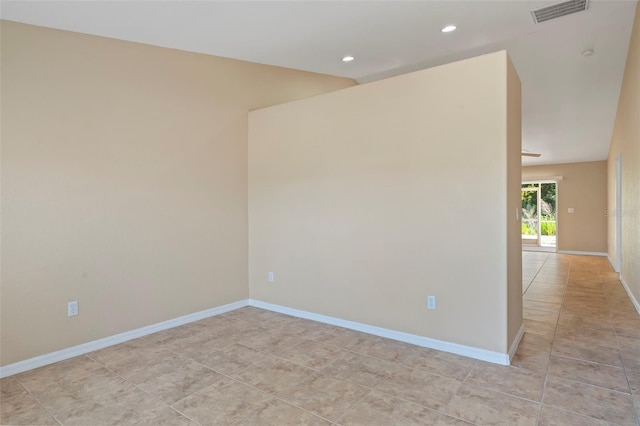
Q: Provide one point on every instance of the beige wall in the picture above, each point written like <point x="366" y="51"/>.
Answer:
<point x="124" y="182"/>
<point x="626" y="142"/>
<point x="366" y="200"/>
<point x="514" y="204"/>
<point x="584" y="188"/>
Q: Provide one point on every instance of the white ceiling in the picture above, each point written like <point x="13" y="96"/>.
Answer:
<point x="569" y="101"/>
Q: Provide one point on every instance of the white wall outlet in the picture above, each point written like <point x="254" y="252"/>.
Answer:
<point x="570" y="210"/>
<point x="431" y="302"/>
<point x="72" y="308"/>
<point x="270" y="277"/>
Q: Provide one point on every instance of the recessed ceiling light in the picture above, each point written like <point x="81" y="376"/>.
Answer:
<point x="587" y="52"/>
<point x="448" y="28"/>
<point x="348" y="58"/>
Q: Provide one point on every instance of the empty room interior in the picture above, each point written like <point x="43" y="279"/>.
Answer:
<point x="320" y="212"/>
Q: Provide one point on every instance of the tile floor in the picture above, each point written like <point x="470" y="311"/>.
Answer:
<point x="578" y="364"/>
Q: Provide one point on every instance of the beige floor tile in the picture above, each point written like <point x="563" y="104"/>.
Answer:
<point x="177" y="384"/>
<point x="536" y="361"/>
<point x="549" y="317"/>
<point x="379" y="409"/>
<point x="572" y="320"/>
<point x="271" y="343"/>
<point x="624" y="315"/>
<point x="386" y="349"/>
<point x="313" y="354"/>
<point x="549" y="282"/>
<point x="541" y="306"/>
<point x="232" y="359"/>
<point x="622" y="306"/>
<point x="546" y="297"/>
<point x="633" y="377"/>
<point x="343" y="338"/>
<point x="225" y="402"/>
<point x="34" y="379"/>
<point x="485" y="407"/>
<point x="119" y="352"/>
<point x="324" y="395"/>
<point x="165" y="417"/>
<point x="274" y="375"/>
<point x="603" y="314"/>
<point x="438" y="362"/>
<point x="587" y="351"/>
<point x="10" y="387"/>
<point x="588" y="372"/>
<point x="539" y="327"/>
<point x="120" y="408"/>
<point x="592" y="401"/>
<point x="360" y="369"/>
<point x="278" y="413"/>
<point x="144" y="366"/>
<point x="630" y="349"/>
<point x="23" y="409"/>
<point x="302" y="328"/>
<point x="65" y="391"/>
<point x="588" y="335"/>
<point x="536" y="342"/>
<point x="514" y="381"/>
<point x="628" y="330"/>
<point x="552" y="416"/>
<point x="547" y="290"/>
<point x="420" y="387"/>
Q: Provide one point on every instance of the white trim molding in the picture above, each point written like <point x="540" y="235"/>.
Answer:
<point x="547" y="179"/>
<point x="635" y="302"/>
<point x="440" y="345"/>
<point x="61" y="355"/>
<point x="584" y="253"/>
<point x="516" y="342"/>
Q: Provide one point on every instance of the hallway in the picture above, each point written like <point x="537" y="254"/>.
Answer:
<point x="582" y="330"/>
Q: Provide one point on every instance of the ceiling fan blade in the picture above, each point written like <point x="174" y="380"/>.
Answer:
<point x="530" y="154"/>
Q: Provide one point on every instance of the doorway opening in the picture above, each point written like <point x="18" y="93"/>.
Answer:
<point x="539" y="216"/>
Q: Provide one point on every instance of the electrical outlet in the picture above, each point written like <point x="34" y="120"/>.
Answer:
<point x="271" y="277"/>
<point x="431" y="302"/>
<point x="72" y="308"/>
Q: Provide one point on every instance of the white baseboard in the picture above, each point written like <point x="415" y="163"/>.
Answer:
<point x="61" y="355"/>
<point x="516" y="342"/>
<point x="630" y="294"/>
<point x="612" y="263"/>
<point x="583" y="253"/>
<point x="468" y="351"/>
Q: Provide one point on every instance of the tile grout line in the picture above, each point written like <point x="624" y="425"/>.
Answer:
<point x="588" y="384"/>
<point x="624" y="365"/>
<point x="38" y="401"/>
<point x="235" y="379"/>
<point x="555" y="331"/>
<point x="150" y="394"/>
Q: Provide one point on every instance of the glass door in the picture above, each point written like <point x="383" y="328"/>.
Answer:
<point x="539" y="217"/>
<point x="530" y="215"/>
<point x="547" y="214"/>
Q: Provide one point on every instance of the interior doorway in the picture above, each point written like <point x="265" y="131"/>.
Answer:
<point x="539" y="216"/>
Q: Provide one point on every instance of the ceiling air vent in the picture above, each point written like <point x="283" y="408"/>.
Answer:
<point x="560" y="9"/>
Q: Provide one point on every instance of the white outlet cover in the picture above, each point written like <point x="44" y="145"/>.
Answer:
<point x="72" y="308"/>
<point x="431" y="302"/>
